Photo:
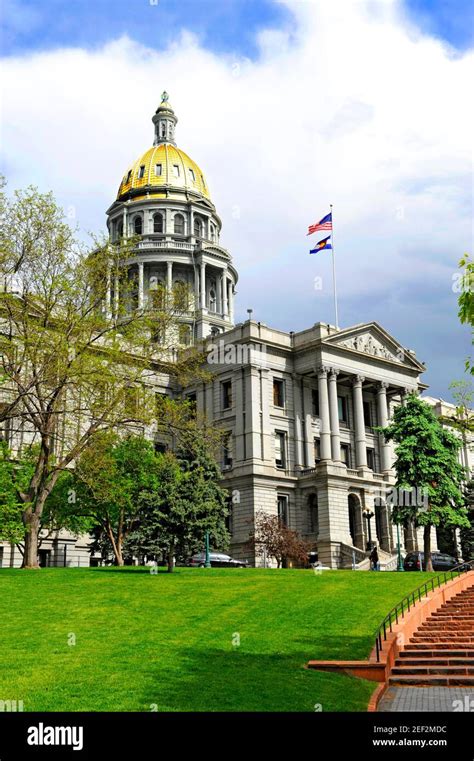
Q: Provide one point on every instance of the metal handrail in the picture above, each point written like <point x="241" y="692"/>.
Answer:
<point x="409" y="601"/>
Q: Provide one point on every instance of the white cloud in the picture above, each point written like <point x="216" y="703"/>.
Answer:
<point x="352" y="105"/>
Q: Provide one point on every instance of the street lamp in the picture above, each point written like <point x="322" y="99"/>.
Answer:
<point x="368" y="515"/>
<point x="207" y="563"/>
<point x="399" y="551"/>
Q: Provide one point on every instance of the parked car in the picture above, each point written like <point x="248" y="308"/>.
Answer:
<point x="217" y="560"/>
<point x="415" y="561"/>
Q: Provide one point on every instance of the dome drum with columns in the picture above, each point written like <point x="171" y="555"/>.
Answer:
<point x="164" y="199"/>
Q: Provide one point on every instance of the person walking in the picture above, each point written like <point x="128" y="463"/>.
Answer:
<point x="374" y="559"/>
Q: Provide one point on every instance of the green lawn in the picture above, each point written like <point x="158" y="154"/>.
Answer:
<point x="166" y="640"/>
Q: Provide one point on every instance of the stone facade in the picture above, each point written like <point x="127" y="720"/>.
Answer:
<point x="298" y="409"/>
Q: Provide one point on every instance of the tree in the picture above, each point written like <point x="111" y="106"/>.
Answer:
<point x="467" y="532"/>
<point x="463" y="419"/>
<point x="426" y="461"/>
<point x="187" y="501"/>
<point x="73" y="362"/>
<point x="110" y="477"/>
<point x="11" y="474"/>
<point x="466" y="298"/>
<point x="278" y="541"/>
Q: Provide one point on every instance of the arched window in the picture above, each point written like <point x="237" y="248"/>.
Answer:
<point x="313" y="517"/>
<point x="180" y="296"/>
<point x="157" y="223"/>
<point x="179" y="224"/>
<point x="213" y="233"/>
<point x="212" y="300"/>
<point x="120" y="229"/>
<point x="198" y="227"/>
<point x="214" y="331"/>
<point x="157" y="293"/>
<point x="138" y="225"/>
<point x="184" y="332"/>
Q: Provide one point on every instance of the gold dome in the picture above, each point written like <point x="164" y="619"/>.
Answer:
<point x="164" y="166"/>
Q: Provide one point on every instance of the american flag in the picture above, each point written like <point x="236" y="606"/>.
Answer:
<point x="324" y="224"/>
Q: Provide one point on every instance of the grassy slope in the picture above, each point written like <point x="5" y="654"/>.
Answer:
<point x="145" y="639"/>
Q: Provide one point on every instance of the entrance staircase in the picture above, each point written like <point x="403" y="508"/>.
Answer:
<point x="441" y="651"/>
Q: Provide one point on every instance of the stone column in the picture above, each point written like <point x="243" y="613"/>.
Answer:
<point x="240" y="412"/>
<point x="334" y="417"/>
<point x="125" y="223"/>
<point x="116" y="296"/>
<point x="382" y="415"/>
<point x="298" y="421"/>
<point x="325" y="430"/>
<point x="225" y="306"/>
<point x="308" y="427"/>
<point x="219" y="309"/>
<point x="231" y="301"/>
<point x="108" y="311"/>
<point x="140" y="285"/>
<point x="169" y="276"/>
<point x="203" y="285"/>
<point x="359" y="424"/>
<point x="196" y="289"/>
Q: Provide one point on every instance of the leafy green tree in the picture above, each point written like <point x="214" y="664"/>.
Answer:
<point x="187" y="501"/>
<point x="12" y="476"/>
<point x="466" y="298"/>
<point x="110" y="477"/>
<point x="73" y="360"/>
<point x="467" y="532"/>
<point x="427" y="460"/>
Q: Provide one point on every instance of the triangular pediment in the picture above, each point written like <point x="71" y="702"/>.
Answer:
<point x="371" y="339"/>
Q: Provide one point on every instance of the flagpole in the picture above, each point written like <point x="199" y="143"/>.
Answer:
<point x="334" y="269"/>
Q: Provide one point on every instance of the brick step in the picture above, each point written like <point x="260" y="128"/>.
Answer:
<point x="447" y="650"/>
<point x="447" y="626"/>
<point x="428" y="659"/>
<point x="441" y="637"/>
<point x="433" y="680"/>
<point x="450" y="616"/>
<point x="429" y="669"/>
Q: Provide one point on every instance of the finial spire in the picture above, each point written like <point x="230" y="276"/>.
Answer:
<point x="165" y="121"/>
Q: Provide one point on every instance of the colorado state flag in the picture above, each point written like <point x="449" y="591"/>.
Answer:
<point x="323" y="244"/>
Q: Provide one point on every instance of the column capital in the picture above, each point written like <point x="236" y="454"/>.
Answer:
<point x="333" y="372"/>
<point x="382" y="386"/>
<point x="322" y="370"/>
<point x="358" y="379"/>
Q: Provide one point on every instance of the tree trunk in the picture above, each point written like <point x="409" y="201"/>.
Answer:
<point x="171" y="558"/>
<point x="428" y="565"/>
<point x="32" y="528"/>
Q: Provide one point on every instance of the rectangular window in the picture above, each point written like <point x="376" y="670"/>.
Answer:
<point x="226" y="391"/>
<point x="227" y="458"/>
<point x="192" y="175"/>
<point x="158" y="170"/>
<point x="129" y="176"/>
<point x="367" y="414"/>
<point x="342" y="408"/>
<point x="282" y="505"/>
<point x="192" y="401"/>
<point x="317" y="450"/>
<point x="280" y="449"/>
<point x="176" y="170"/>
<point x="160" y="447"/>
<point x="346" y="454"/>
<point x="315" y="402"/>
<point x="278" y="392"/>
<point x="371" y="459"/>
<point x="141" y="172"/>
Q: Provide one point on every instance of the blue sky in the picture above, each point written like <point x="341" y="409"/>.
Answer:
<point x="389" y="144"/>
<point x="221" y="25"/>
